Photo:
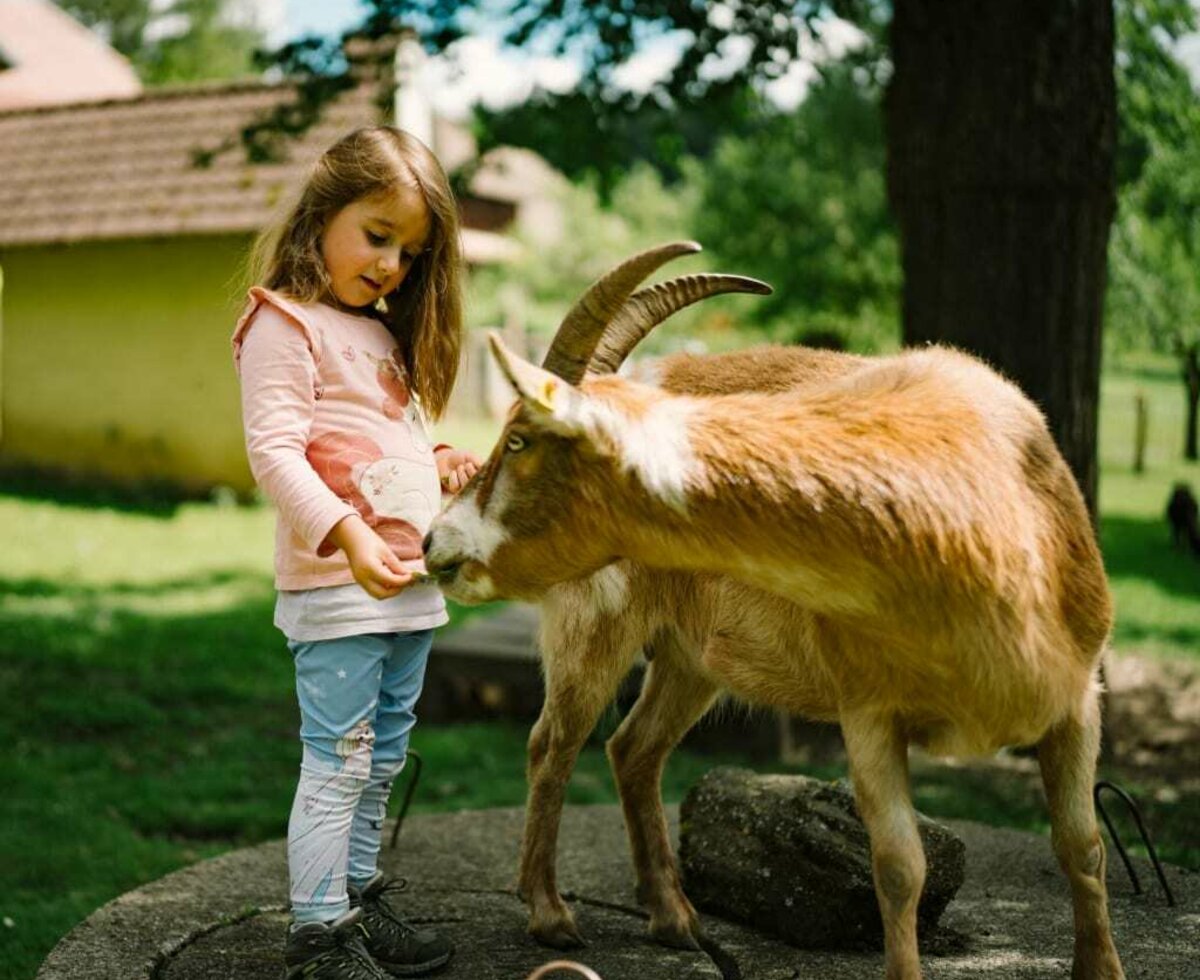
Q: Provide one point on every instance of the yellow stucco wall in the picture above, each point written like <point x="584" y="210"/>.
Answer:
<point x="114" y="360"/>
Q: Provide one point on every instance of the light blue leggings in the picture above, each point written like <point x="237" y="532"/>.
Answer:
<point x="357" y="696"/>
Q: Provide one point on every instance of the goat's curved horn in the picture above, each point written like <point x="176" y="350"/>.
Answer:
<point x="587" y="320"/>
<point x="648" y="307"/>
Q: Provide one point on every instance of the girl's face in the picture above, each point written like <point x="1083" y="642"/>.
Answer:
<point x="370" y="244"/>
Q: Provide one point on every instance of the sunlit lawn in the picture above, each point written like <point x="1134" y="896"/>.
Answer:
<point x="1156" y="588"/>
<point x="149" y="720"/>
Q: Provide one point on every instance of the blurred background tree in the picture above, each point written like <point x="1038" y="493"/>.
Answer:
<point x="183" y="41"/>
<point x="797" y="198"/>
<point x="1153" y="299"/>
<point x="972" y="163"/>
<point x="999" y="124"/>
<point x="800" y="201"/>
<point x="598" y="231"/>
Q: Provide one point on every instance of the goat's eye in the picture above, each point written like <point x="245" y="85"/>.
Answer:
<point x="514" y="443"/>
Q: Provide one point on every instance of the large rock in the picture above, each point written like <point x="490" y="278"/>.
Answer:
<point x="789" y="855"/>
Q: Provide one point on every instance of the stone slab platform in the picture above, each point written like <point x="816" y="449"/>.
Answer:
<point x="225" y="918"/>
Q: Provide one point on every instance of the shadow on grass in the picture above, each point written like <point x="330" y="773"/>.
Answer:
<point x="40" y="588"/>
<point x="1160" y="370"/>
<point x="138" y="743"/>
<point x="135" y="743"/>
<point x="152" y="498"/>
<point x="1141" y="548"/>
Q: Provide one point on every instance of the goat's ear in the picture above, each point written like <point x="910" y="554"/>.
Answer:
<point x="549" y="398"/>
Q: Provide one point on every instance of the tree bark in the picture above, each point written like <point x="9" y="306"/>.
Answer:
<point x="1189" y="355"/>
<point x="1001" y="131"/>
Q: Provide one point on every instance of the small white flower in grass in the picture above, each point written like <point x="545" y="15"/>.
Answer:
<point x="8" y="923"/>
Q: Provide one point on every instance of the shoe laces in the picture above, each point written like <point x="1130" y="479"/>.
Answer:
<point x="348" y="947"/>
<point x="377" y="908"/>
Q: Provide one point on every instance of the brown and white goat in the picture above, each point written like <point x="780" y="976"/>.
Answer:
<point x="911" y="556"/>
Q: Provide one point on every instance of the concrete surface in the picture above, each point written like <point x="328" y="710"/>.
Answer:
<point x="225" y="918"/>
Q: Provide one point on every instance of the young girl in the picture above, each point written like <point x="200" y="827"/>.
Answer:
<point x="348" y="344"/>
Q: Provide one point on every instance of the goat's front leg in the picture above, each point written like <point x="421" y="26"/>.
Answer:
<point x="1067" y="756"/>
<point x="878" y="756"/>
<point x="673" y="697"/>
<point x="582" y="675"/>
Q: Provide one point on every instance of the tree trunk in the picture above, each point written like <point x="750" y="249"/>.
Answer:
<point x="1001" y="129"/>
<point x="1190" y="356"/>
<point x="1141" y="429"/>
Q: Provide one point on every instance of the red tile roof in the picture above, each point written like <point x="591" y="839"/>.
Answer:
<point x="47" y="57"/>
<point x="126" y="168"/>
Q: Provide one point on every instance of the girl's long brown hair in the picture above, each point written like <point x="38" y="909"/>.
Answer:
<point x="425" y="311"/>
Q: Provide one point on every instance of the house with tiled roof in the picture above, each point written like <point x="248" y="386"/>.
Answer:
<point x="47" y="58"/>
<point x="124" y="228"/>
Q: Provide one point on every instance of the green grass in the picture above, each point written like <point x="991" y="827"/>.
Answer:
<point x="150" y="722"/>
<point x="1156" y="588"/>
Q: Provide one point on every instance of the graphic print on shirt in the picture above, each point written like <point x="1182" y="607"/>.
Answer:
<point x="393" y="379"/>
<point x="390" y="493"/>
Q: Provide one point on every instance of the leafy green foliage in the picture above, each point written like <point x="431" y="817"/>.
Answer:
<point x="1154" y="285"/>
<point x="555" y="267"/>
<point x="1156" y="102"/>
<point x="123" y="22"/>
<point x="210" y="47"/>
<point x="797" y="200"/>
<point x="599" y="129"/>
<point x="1153" y="299"/>
<point x="708" y="94"/>
<point x="601" y="146"/>
<point x="801" y="203"/>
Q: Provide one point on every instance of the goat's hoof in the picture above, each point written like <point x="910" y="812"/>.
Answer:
<point x="677" y="935"/>
<point x="558" y="935"/>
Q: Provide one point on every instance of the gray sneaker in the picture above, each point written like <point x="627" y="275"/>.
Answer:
<point x="333" y="951"/>
<point x="400" y="948"/>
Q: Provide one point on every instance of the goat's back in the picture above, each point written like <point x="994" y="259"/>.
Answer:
<point x="998" y="682"/>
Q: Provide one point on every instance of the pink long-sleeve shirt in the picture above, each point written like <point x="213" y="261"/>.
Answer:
<point x="331" y="430"/>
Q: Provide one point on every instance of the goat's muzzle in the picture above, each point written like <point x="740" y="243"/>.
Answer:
<point x="459" y="577"/>
<point x="442" y="567"/>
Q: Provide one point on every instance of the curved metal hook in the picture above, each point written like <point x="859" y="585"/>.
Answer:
<point x="1112" y="832"/>
<point x="554" y="965"/>
<point x="408" y="793"/>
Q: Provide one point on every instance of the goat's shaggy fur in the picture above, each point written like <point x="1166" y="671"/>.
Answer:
<point x="892" y="543"/>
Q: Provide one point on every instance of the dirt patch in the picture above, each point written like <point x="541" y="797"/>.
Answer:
<point x="1153" y="722"/>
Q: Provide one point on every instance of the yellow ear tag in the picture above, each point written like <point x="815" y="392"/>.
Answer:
<point x="545" y="397"/>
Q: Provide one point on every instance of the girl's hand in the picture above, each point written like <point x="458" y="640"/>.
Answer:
<point x="456" y="467"/>
<point x="375" y="566"/>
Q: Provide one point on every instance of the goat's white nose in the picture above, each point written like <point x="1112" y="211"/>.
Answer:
<point x="445" y="566"/>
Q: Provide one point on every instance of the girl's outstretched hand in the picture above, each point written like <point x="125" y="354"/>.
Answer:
<point x="375" y="566"/>
<point x="456" y="467"/>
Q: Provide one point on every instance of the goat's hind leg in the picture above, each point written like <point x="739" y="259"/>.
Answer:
<point x="673" y="697"/>
<point x="1067" y="756"/>
<point x="582" y="675"/>
<point x="878" y="754"/>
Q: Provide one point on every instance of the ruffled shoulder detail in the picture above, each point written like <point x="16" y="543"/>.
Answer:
<point x="256" y="299"/>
